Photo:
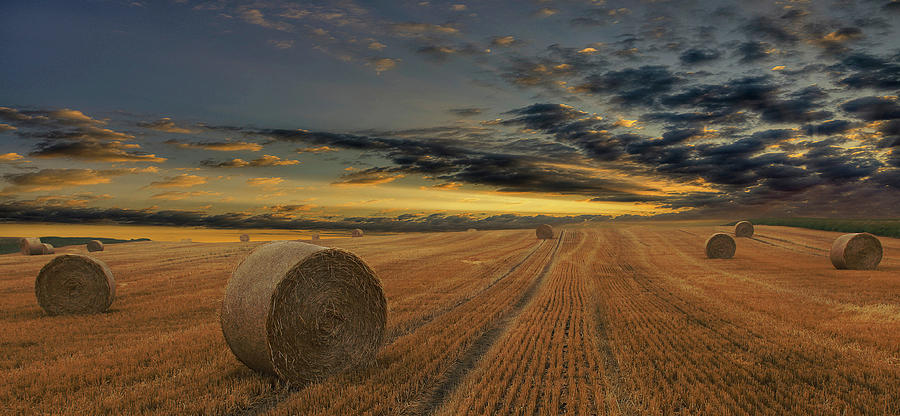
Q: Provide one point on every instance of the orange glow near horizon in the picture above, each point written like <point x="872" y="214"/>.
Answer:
<point x="160" y="233"/>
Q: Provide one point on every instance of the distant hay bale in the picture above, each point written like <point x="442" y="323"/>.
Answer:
<point x="357" y="233"/>
<point x="75" y="284"/>
<point x="303" y="312"/>
<point x="857" y="251"/>
<point x="743" y="229"/>
<point x="48" y="249"/>
<point x="31" y="246"/>
<point x="720" y="246"/>
<point x="315" y="236"/>
<point x="245" y="238"/>
<point x="471" y="230"/>
<point x="94" y="245"/>
<point x="186" y="240"/>
<point x="544" y="231"/>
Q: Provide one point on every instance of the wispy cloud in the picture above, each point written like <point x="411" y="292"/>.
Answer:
<point x="226" y="146"/>
<point x="164" y="124"/>
<point x="55" y="179"/>
<point x="265" y="160"/>
<point x="180" y="181"/>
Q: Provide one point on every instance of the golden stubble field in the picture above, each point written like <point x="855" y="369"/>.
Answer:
<point x="626" y="319"/>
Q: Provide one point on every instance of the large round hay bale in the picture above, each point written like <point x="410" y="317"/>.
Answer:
<point x="357" y="233"/>
<point x="48" y="248"/>
<point x="245" y="238"/>
<point x="94" y="245"/>
<point x="544" y="231"/>
<point x="720" y="246"/>
<point x="857" y="251"/>
<point x="303" y="312"/>
<point x="75" y="284"/>
<point x="471" y="230"/>
<point x="743" y="229"/>
<point x="31" y="246"/>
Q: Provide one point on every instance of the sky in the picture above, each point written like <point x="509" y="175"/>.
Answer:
<point x="425" y="115"/>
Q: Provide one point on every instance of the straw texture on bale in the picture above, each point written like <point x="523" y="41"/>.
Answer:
<point x="75" y="284"/>
<point x="303" y="312"/>
<point x="95" y="245"/>
<point x="48" y="248"/>
<point x="857" y="251"/>
<point x="31" y="246"/>
<point x="743" y="229"/>
<point x="357" y="233"/>
<point x="720" y="246"/>
<point x="245" y="238"/>
<point x="544" y="231"/>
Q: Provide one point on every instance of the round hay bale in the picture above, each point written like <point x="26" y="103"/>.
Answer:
<point x="303" y="312"/>
<point x="75" y="284"/>
<point x="720" y="246"/>
<point x="94" y="245"/>
<point x="743" y="229"/>
<point x="357" y="233"/>
<point x="544" y="231"/>
<point x="471" y="230"/>
<point x="315" y="236"/>
<point x="245" y="238"/>
<point x="31" y="246"/>
<point x="857" y="251"/>
<point x="48" y="249"/>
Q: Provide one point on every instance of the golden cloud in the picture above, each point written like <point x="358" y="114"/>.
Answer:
<point x="164" y="124"/>
<point x="265" y="181"/>
<point x="226" y="146"/>
<point x="53" y="179"/>
<point x="181" y="181"/>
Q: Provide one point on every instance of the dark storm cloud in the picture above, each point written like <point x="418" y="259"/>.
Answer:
<point x="763" y="27"/>
<point x="801" y="106"/>
<point x="756" y="93"/>
<point x="23" y="212"/>
<point x="736" y="94"/>
<point x="890" y="131"/>
<point x="570" y="126"/>
<point x="828" y="128"/>
<point x="632" y="86"/>
<point x="836" y="164"/>
<point x="717" y="117"/>
<point x="753" y="51"/>
<point x="863" y="70"/>
<point x="545" y="117"/>
<point x="699" y="55"/>
<point x="873" y="108"/>
<point x="732" y="165"/>
<point x="451" y="160"/>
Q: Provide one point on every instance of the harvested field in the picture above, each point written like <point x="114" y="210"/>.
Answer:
<point x="631" y="319"/>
